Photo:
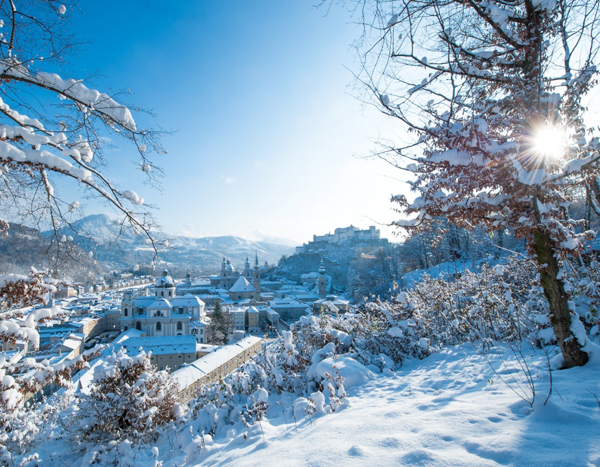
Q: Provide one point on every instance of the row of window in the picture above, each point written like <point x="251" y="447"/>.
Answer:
<point x="138" y="326"/>
<point x="141" y="311"/>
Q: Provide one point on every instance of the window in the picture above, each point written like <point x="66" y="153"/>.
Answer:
<point x="179" y="326"/>
<point x="162" y="294"/>
<point x="138" y="326"/>
<point x="180" y="310"/>
<point x="140" y="311"/>
<point x="125" y="328"/>
<point x="125" y="312"/>
<point x="158" y="327"/>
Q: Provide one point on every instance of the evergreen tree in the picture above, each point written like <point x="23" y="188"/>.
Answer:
<point x="220" y="327"/>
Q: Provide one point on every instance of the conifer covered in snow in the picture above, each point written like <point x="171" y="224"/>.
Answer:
<point x="493" y="97"/>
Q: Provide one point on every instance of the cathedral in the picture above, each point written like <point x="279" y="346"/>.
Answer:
<point x="164" y="313"/>
<point x="241" y="286"/>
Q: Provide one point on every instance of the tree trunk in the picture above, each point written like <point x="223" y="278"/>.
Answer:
<point x="560" y="315"/>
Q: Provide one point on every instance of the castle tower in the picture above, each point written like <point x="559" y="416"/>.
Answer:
<point x="322" y="281"/>
<point x="256" y="277"/>
<point x="188" y="279"/>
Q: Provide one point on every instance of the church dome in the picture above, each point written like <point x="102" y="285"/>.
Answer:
<point x="165" y="280"/>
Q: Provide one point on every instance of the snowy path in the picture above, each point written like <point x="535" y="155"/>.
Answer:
<point x="448" y="410"/>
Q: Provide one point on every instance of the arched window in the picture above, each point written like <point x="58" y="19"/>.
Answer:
<point x="179" y="326"/>
<point x="158" y="326"/>
<point x="162" y="293"/>
<point x="138" y="326"/>
<point x="125" y="329"/>
<point x="125" y="312"/>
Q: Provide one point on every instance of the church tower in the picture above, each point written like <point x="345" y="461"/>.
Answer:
<point x="247" y="271"/>
<point x="322" y="281"/>
<point x="188" y="279"/>
<point x="256" y="277"/>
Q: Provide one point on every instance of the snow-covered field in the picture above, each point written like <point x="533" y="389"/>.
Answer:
<point x="451" y="409"/>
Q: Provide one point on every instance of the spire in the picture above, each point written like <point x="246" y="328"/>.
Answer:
<point x="256" y="260"/>
<point x="322" y="268"/>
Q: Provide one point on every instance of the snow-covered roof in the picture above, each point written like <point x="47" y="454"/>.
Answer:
<point x="187" y="300"/>
<point x="198" y="369"/>
<point x="206" y="348"/>
<point x="143" y="300"/>
<point x="129" y="334"/>
<point x="160" y="304"/>
<point x="242" y="285"/>
<point x="286" y="303"/>
<point x="161" y="345"/>
<point x="196" y="324"/>
<point x="71" y="343"/>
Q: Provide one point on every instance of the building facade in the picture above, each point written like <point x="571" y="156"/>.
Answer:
<point x="164" y="313"/>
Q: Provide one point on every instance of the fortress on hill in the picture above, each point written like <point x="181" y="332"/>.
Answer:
<point x="340" y="235"/>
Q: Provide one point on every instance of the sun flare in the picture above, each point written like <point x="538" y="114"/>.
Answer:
<point x="549" y="142"/>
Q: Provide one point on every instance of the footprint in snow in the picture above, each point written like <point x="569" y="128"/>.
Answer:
<point x="356" y="451"/>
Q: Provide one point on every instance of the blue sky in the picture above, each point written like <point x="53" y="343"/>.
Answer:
<point x="266" y="124"/>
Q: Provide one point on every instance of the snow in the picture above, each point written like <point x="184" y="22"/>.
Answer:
<point x="242" y="285"/>
<point x="450" y="409"/>
<point x="353" y="372"/>
<point x="99" y="101"/>
<point x="133" y="197"/>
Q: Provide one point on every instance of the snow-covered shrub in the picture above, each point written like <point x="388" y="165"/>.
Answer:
<point x="129" y="398"/>
<point x="494" y="304"/>
<point x="24" y="427"/>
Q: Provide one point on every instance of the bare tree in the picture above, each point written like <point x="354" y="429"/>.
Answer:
<point x="492" y="96"/>
<point x="53" y="130"/>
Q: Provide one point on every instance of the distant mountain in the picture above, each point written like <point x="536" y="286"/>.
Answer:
<point x="264" y="237"/>
<point x="22" y="247"/>
<point x="118" y="247"/>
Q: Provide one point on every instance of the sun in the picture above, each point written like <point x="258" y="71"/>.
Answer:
<point x="549" y="142"/>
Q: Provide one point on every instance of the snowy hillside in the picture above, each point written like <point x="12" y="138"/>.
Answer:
<point x="454" y="408"/>
<point x="451" y="409"/>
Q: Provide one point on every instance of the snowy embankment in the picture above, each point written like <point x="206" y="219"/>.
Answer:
<point x="450" y="409"/>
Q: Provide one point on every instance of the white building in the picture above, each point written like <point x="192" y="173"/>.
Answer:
<point x="238" y="317"/>
<point x="164" y="313"/>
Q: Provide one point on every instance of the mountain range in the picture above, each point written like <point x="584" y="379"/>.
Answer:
<point x="117" y="247"/>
